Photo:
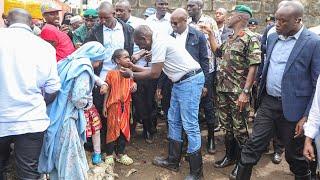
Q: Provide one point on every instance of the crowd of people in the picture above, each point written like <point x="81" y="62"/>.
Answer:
<point x="87" y="80"/>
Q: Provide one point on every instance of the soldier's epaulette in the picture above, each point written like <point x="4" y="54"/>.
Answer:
<point x="249" y="35"/>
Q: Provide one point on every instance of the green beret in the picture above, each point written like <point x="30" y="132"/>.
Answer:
<point x="243" y="9"/>
<point x="90" y="13"/>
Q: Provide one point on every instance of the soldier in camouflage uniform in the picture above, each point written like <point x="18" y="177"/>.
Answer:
<point x="240" y="57"/>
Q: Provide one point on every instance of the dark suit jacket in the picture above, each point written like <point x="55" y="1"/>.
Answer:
<point x="226" y="33"/>
<point x="300" y="75"/>
<point x="97" y="35"/>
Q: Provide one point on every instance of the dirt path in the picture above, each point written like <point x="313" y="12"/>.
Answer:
<point x="143" y="153"/>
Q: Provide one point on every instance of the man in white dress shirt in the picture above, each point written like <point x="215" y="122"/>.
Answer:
<point x="160" y="21"/>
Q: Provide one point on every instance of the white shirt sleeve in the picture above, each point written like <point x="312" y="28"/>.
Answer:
<point x="98" y="81"/>
<point x="52" y="83"/>
<point x="311" y="127"/>
<point x="159" y="52"/>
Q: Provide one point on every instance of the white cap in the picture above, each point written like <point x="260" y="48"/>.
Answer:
<point x="75" y="19"/>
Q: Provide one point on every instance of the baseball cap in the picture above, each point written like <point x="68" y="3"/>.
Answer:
<point x="50" y="6"/>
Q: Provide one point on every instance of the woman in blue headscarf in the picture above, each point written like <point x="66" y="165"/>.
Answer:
<point x="62" y="153"/>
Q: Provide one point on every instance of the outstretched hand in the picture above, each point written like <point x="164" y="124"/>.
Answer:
<point x="126" y="72"/>
<point x="205" y="29"/>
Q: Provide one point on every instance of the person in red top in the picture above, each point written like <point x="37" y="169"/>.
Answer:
<point x="51" y="32"/>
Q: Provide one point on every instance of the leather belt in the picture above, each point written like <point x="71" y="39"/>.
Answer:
<point x="189" y="74"/>
<point x="278" y="98"/>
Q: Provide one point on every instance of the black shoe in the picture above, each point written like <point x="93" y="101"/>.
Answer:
<point x="195" y="163"/>
<point x="276" y="158"/>
<point x="211" y="147"/>
<point x="304" y="177"/>
<point x="172" y="162"/>
<point x="243" y="172"/>
<point x="234" y="172"/>
<point x="148" y="137"/>
<point x="230" y="157"/>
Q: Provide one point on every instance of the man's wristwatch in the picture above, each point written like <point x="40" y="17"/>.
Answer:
<point x="246" y="91"/>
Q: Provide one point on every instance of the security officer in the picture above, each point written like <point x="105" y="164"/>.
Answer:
<point x="240" y="57"/>
<point x="90" y="19"/>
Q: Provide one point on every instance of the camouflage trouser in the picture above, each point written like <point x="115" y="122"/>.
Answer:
<point x="231" y="119"/>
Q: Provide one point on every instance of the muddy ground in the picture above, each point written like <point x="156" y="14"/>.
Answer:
<point x="143" y="153"/>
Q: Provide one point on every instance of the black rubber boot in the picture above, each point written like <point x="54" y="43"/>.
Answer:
<point x="229" y="158"/>
<point x="172" y="162"/>
<point x="211" y="147"/>
<point x="243" y="172"/>
<point x="304" y="177"/>
<point x="195" y="163"/>
<point x="237" y="154"/>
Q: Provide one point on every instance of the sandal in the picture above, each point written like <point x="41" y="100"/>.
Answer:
<point x="109" y="160"/>
<point x="124" y="159"/>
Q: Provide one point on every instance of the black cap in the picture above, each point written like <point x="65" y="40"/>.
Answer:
<point x="253" y="21"/>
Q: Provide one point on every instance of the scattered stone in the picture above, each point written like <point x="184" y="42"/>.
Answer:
<point x="162" y="176"/>
<point x="131" y="172"/>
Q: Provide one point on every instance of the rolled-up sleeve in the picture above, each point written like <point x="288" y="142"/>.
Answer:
<point x="311" y="127"/>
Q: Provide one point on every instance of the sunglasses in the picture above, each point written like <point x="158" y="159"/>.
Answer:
<point x="174" y="23"/>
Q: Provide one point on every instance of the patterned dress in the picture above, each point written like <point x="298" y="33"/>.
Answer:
<point x="71" y="162"/>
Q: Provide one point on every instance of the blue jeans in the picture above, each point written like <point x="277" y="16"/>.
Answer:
<point x="183" y="111"/>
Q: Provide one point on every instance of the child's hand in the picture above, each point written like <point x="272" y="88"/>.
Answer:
<point x="134" y="88"/>
<point x="104" y="89"/>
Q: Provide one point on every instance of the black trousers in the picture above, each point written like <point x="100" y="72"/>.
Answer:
<point x="207" y="101"/>
<point x="117" y="146"/>
<point x="27" y="149"/>
<point x="166" y="96"/>
<point x="270" y="118"/>
<point x="145" y="105"/>
<point x="277" y="144"/>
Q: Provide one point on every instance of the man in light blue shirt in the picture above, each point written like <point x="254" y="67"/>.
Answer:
<point x="28" y="80"/>
<point x="278" y="61"/>
<point x="113" y="34"/>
